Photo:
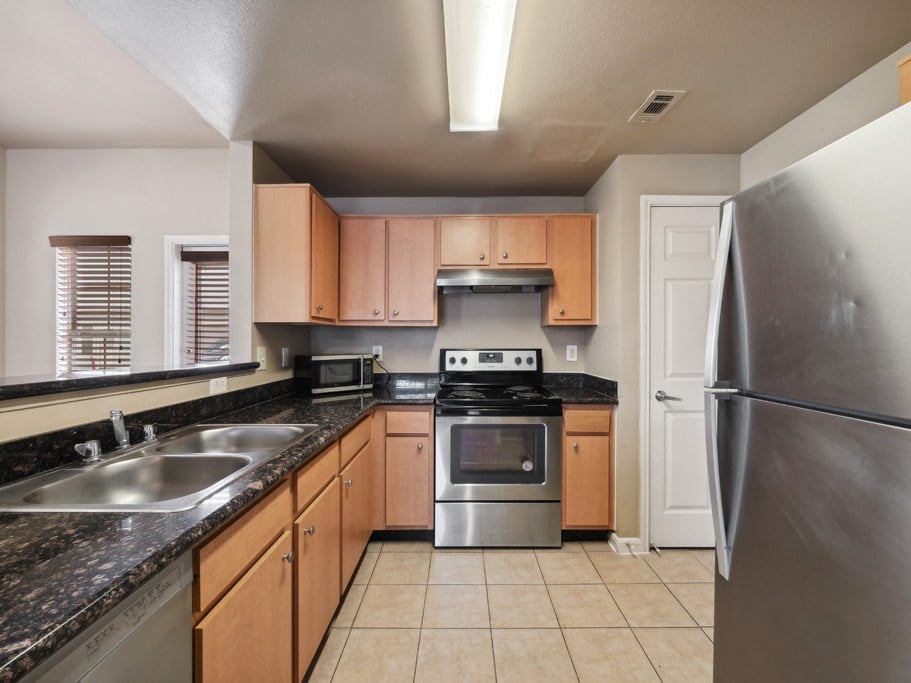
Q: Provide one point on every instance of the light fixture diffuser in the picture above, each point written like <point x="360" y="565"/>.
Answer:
<point x="478" y="33"/>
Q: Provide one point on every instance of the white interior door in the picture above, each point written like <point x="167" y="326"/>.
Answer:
<point x="682" y="245"/>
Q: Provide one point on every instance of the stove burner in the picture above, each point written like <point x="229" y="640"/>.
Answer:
<point x="518" y="389"/>
<point x="466" y="393"/>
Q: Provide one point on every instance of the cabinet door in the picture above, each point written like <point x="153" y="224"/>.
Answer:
<point x="408" y="475"/>
<point x="412" y="290"/>
<point x="362" y="269"/>
<point x="317" y="568"/>
<point x="521" y="240"/>
<point x="247" y="635"/>
<point x="571" y="299"/>
<point x="357" y="524"/>
<point x="465" y="242"/>
<point x="323" y="261"/>
<point x="586" y="481"/>
<point x="281" y="254"/>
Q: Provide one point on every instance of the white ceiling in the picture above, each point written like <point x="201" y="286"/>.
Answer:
<point x="64" y="84"/>
<point x="351" y="95"/>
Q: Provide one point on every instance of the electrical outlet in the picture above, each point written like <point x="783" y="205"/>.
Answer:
<point x="218" y="385"/>
<point x="261" y="357"/>
<point x="378" y="353"/>
<point x="572" y="352"/>
<point x="286" y="356"/>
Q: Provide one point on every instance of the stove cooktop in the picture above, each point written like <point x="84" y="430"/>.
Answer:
<point x="516" y="395"/>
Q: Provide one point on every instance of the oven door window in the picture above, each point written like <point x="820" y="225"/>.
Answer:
<point x="498" y="454"/>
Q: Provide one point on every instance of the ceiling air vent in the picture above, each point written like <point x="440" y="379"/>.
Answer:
<point x="656" y="105"/>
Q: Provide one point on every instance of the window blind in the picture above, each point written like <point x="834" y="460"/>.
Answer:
<point x="93" y="308"/>
<point x="205" y="306"/>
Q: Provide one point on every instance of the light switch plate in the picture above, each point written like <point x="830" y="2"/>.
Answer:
<point x="286" y="356"/>
<point x="572" y="352"/>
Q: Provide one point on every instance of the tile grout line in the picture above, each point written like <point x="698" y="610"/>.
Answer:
<point x="493" y="654"/>
<point x="557" y="616"/>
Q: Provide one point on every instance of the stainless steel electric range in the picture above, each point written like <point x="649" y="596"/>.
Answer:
<point x="498" y="451"/>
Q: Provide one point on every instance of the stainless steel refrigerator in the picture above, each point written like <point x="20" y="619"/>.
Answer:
<point x="808" y="417"/>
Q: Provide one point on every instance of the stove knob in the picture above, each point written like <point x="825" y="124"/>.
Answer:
<point x="529" y="360"/>
<point x="464" y="360"/>
<point x="452" y="360"/>
<point x="518" y="361"/>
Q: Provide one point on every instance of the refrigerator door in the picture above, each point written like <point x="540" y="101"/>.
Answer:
<point x="815" y="306"/>
<point x="819" y="526"/>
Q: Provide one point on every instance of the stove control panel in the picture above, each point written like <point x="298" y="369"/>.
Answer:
<point x="472" y="360"/>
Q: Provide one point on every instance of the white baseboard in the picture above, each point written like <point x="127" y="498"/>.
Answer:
<point x="627" y="546"/>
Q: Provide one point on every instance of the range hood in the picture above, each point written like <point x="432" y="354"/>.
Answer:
<point x="484" y="281"/>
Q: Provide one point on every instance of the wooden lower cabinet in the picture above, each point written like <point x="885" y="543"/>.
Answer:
<point x="247" y="635"/>
<point x="409" y="471"/>
<point x="317" y="568"/>
<point x="587" y="468"/>
<point x="357" y="511"/>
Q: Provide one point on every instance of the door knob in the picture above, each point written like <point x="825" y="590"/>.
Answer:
<point x="660" y="395"/>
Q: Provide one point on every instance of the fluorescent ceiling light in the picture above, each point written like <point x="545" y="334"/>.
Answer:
<point x="477" y="48"/>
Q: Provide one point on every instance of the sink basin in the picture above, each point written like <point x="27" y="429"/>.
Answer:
<point x="139" y="481"/>
<point x="233" y="438"/>
<point x="177" y="473"/>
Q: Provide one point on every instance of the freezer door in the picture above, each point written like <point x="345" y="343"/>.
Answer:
<point x="816" y="299"/>
<point x="818" y="515"/>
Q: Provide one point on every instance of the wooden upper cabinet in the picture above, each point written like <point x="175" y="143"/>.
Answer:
<point x="295" y="246"/>
<point x="387" y="274"/>
<point x="465" y="242"/>
<point x="324" y="261"/>
<point x="571" y="245"/>
<point x="904" y="80"/>
<point x="412" y="291"/>
<point x="362" y="269"/>
<point x="521" y="240"/>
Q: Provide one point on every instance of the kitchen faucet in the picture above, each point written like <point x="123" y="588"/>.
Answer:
<point x="121" y="435"/>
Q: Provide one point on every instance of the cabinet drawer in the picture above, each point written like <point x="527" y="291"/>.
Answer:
<point x="408" y="422"/>
<point x="220" y="561"/>
<point x="311" y="479"/>
<point x="587" y="421"/>
<point x="355" y="440"/>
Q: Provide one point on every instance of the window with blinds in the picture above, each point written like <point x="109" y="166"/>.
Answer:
<point x="94" y="282"/>
<point x="205" y="306"/>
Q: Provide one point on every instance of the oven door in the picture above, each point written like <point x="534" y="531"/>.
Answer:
<point x="497" y="458"/>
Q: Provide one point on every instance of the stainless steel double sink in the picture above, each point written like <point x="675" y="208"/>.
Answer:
<point x="176" y="472"/>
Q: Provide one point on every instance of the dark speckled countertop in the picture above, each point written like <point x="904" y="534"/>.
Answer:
<point x="60" y="572"/>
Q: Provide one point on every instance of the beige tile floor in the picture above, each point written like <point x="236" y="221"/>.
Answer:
<point x="582" y="613"/>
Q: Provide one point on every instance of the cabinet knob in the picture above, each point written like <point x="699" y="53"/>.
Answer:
<point x="575" y="446"/>
<point x="505" y="254"/>
<point x="376" y="311"/>
<point x="310" y="530"/>
<point x="348" y="482"/>
<point x="420" y="447"/>
<point x="481" y="257"/>
<point x="395" y="311"/>
<point x="320" y="307"/>
<point x="562" y="311"/>
<point x="288" y="556"/>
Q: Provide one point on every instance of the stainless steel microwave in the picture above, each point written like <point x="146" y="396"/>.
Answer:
<point x="329" y="374"/>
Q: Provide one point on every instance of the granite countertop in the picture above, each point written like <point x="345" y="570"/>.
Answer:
<point x="60" y="572"/>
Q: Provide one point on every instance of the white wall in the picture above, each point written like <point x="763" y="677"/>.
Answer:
<point x="612" y="349"/>
<point x="465" y="319"/>
<point x="861" y="100"/>
<point x="144" y="193"/>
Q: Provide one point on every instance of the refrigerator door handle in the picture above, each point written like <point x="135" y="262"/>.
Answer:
<point x="722" y="549"/>
<point x="714" y="394"/>
<point x="717" y="294"/>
